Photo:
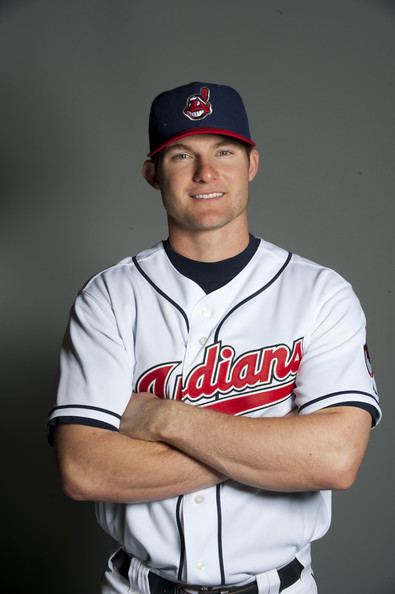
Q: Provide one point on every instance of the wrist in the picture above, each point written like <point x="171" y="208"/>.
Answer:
<point x="170" y="421"/>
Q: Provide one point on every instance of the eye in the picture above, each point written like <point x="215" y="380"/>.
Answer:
<point x="180" y="156"/>
<point x="224" y="152"/>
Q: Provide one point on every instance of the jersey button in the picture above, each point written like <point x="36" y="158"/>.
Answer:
<point x="206" y="313"/>
<point x="199" y="499"/>
<point x="203" y="340"/>
<point x="200" y="565"/>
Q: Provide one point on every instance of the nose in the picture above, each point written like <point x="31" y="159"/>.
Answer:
<point x="204" y="171"/>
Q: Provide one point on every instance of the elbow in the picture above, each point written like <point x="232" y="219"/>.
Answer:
<point x="341" y="474"/>
<point x="344" y="448"/>
<point x="74" y="482"/>
<point x="74" y="490"/>
<point x="78" y="480"/>
<point x="343" y="481"/>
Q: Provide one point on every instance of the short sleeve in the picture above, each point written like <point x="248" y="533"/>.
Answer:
<point x="335" y="369"/>
<point x="96" y="369"/>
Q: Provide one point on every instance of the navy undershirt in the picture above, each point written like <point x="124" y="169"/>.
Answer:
<point x="212" y="275"/>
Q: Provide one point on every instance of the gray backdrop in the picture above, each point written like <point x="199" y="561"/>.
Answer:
<point x="77" y="79"/>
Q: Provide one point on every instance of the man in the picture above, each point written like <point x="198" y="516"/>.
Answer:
<point x="214" y="388"/>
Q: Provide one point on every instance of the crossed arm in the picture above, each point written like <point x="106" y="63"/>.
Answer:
<point x="166" y="448"/>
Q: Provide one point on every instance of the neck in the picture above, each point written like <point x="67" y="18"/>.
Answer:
<point x="210" y="245"/>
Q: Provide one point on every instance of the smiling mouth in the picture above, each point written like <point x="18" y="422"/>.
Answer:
<point x="196" y="114"/>
<point x="208" y="196"/>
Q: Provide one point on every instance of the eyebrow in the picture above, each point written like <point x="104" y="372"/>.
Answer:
<point x="177" y="146"/>
<point x="180" y="145"/>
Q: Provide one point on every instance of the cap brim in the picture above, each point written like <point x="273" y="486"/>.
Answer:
<point x="195" y="131"/>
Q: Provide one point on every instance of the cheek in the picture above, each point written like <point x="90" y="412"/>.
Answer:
<point x="174" y="184"/>
<point x="239" y="181"/>
<point x="172" y="196"/>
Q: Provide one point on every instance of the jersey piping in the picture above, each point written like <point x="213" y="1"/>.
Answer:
<point x="220" y="550"/>
<point x="182" y="538"/>
<point x="151" y="282"/>
<point x="364" y="406"/>
<point x="85" y="406"/>
<point x="337" y="394"/>
<point x="272" y="280"/>
<point x="74" y="420"/>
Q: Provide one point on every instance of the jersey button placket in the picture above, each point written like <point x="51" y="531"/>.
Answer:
<point x="200" y="532"/>
<point x="200" y="520"/>
<point x="202" y="325"/>
<point x="205" y="314"/>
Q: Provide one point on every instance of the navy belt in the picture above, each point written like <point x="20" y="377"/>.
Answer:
<point x="288" y="575"/>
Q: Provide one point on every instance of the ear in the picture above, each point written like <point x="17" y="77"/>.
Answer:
<point x="150" y="174"/>
<point x="254" y="164"/>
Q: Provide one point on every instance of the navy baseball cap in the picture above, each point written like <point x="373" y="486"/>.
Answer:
<point x="197" y="108"/>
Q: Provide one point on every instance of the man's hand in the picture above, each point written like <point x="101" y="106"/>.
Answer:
<point x="142" y="417"/>
<point x="146" y="415"/>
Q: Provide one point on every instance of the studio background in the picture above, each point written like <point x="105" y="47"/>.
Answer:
<point x="77" y="79"/>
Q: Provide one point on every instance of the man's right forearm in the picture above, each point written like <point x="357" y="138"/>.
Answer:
<point x="100" y="465"/>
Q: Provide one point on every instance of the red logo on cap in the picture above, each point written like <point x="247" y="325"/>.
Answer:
<point x="198" y="107"/>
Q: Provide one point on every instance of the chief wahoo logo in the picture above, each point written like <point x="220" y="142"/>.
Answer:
<point x="198" y="107"/>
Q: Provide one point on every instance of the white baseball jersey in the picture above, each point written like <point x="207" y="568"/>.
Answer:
<point x="284" y="333"/>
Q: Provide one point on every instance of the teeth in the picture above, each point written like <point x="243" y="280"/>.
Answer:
<point x="197" y="114"/>
<point x="207" y="196"/>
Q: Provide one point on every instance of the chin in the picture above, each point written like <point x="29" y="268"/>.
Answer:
<point x="208" y="225"/>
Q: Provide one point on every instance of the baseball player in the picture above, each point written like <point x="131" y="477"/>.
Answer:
<point x="214" y="388"/>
